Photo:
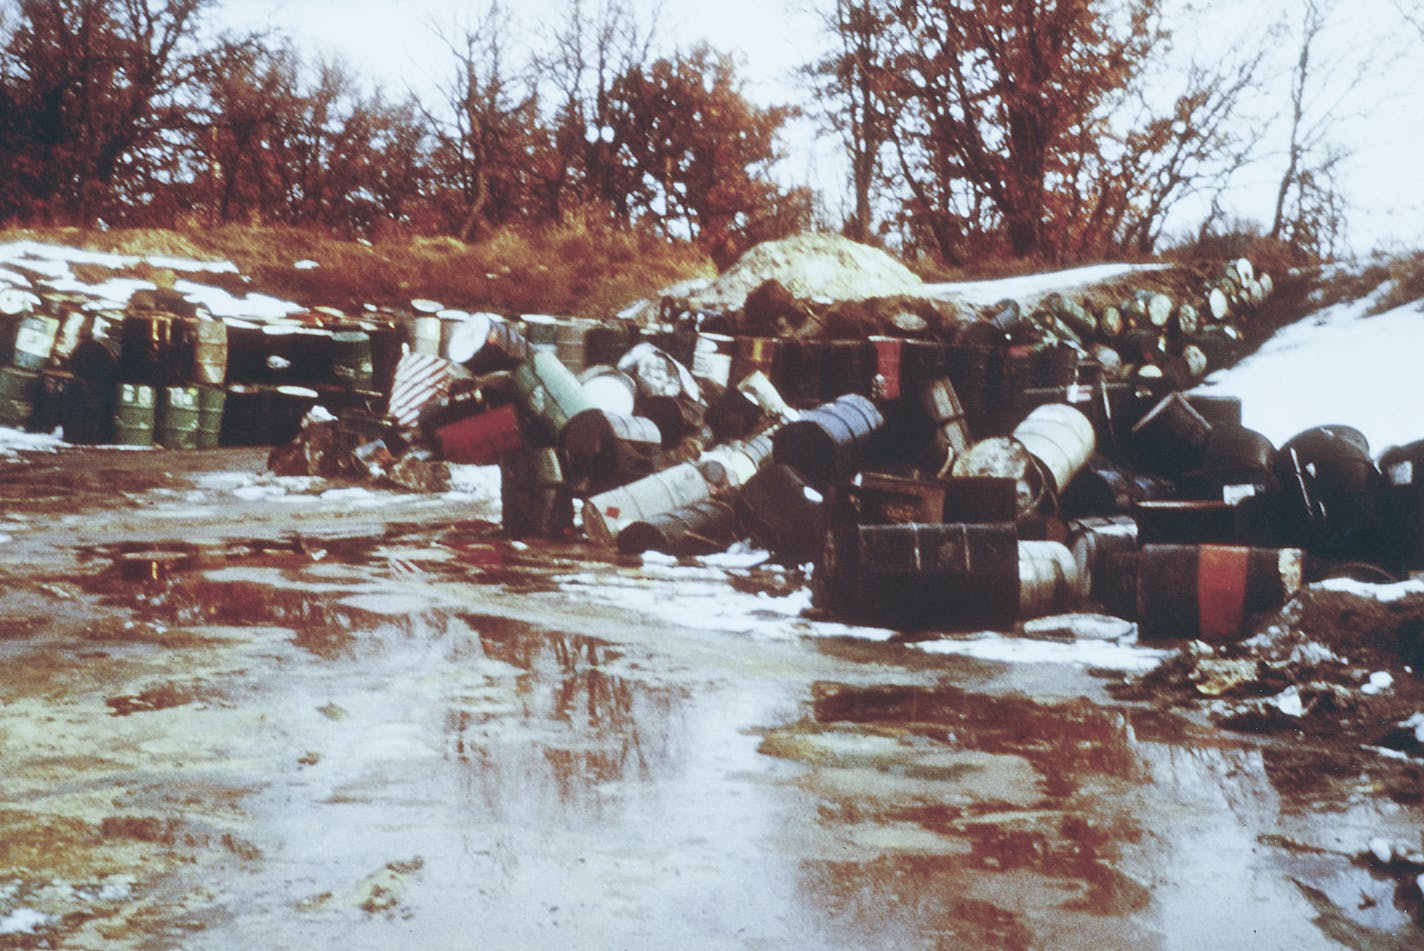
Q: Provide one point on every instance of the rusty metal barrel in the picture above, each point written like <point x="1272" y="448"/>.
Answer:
<point x="610" y="449"/>
<point x="1403" y="469"/>
<point x="753" y="354"/>
<point x="535" y="500"/>
<point x="701" y="528"/>
<point x="1105" y="550"/>
<point x="941" y="405"/>
<point x="949" y="576"/>
<point x="1172" y="436"/>
<point x="1331" y="480"/>
<point x="829" y="442"/>
<point x="549" y="392"/>
<point x="782" y="514"/>
<point x="1211" y="592"/>
<point x="1186" y="522"/>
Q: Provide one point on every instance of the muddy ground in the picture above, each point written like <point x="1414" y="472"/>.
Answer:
<point x="241" y="711"/>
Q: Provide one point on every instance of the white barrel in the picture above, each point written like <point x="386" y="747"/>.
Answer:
<point x="1060" y="438"/>
<point x="608" y="513"/>
<point x="1049" y="579"/>
<point x="609" y="389"/>
<point x="425" y="335"/>
<point x="712" y="358"/>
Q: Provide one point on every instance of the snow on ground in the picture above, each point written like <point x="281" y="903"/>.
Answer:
<point x="1121" y="655"/>
<point x="1028" y="286"/>
<point x="15" y="441"/>
<point x="54" y="264"/>
<point x="1340" y="365"/>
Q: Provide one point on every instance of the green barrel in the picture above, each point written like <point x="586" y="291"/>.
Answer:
<point x="133" y="415"/>
<point x="351" y="359"/>
<point x="550" y="393"/>
<point x="177" y="418"/>
<point x="19" y="389"/>
<point x="211" y="401"/>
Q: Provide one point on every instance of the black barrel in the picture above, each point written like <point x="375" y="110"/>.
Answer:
<point x="1186" y="522"/>
<point x="782" y="514"/>
<point x="1103" y="487"/>
<point x="19" y="391"/>
<point x="952" y="576"/>
<point x="87" y="411"/>
<point x="922" y="362"/>
<point x="978" y="377"/>
<point x="796" y="371"/>
<point x="146" y="340"/>
<point x="1211" y="592"/>
<point x="1332" y="482"/>
<point x="607" y="342"/>
<point x="1215" y="408"/>
<point x="1403" y="469"/>
<point x="701" y="528"/>
<point x="1055" y="365"/>
<point x="847" y="366"/>
<point x="534" y="496"/>
<point x="1172" y="436"/>
<point x="1235" y="457"/>
<point x="96" y="360"/>
<point x="829" y="442"/>
<point x="1105" y="549"/>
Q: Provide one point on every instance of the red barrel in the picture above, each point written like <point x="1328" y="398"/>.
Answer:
<point x="1211" y="592"/>
<point x="887" y="366"/>
<point x="480" y="439"/>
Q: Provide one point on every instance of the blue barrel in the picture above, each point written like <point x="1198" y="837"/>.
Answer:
<point x="829" y="442"/>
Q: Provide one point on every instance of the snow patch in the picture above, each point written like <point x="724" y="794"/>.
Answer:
<point x="1383" y="593"/>
<point x="983" y="293"/>
<point x="1123" y="655"/>
<point x="24" y="921"/>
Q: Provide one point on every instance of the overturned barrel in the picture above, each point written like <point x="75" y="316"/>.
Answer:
<point x="1331" y="481"/>
<point x="608" y="513"/>
<point x="1060" y="438"/>
<point x="549" y="392"/>
<point x="782" y="514"/>
<point x="701" y="528"/>
<point x="941" y="405"/>
<point x="1105" y="550"/>
<point x="481" y="438"/>
<point x="1211" y="592"/>
<point x="953" y="576"/>
<point x="1172" y="436"/>
<point x="610" y="449"/>
<point x="829" y="442"/>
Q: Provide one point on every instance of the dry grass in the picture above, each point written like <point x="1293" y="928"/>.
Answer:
<point x="582" y="267"/>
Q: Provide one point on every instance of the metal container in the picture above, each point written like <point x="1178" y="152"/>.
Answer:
<point x="571" y="343"/>
<point x="1186" y="522"/>
<point x="701" y="528"/>
<point x="19" y="391"/>
<point x="1331" y="481"/>
<point x="210" y="352"/>
<point x="534" y="497"/>
<point x="712" y="358"/>
<point x="425" y="333"/>
<point x="34" y="341"/>
<point x="351" y="364"/>
<point x="1003" y="457"/>
<point x="847" y="366"/>
<point x="947" y="576"/>
<point x="796" y="373"/>
<point x="609" y="389"/>
<point x="87" y="411"/>
<point x="1211" y="592"/>
<point x="608" y="513"/>
<point x="1049" y="579"/>
<point x="1060" y="438"/>
<point x="941" y="405"/>
<point x="549" y="393"/>
<point x="1105" y="550"/>
<point x="829" y="442"/>
<point x="485" y="343"/>
<point x="211" y="402"/>
<point x="754" y="354"/>
<point x="610" y="449"/>
<point x="782" y="514"/>
<point x="887" y="366"/>
<point x="481" y="438"/>
<point x="177" y="417"/>
<point x="145" y="343"/>
<point x="1172" y="436"/>
<point x="133" y="414"/>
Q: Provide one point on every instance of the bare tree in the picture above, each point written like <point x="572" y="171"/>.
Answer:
<point x="1309" y="208"/>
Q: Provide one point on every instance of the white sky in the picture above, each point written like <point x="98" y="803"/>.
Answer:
<point x="391" y="43"/>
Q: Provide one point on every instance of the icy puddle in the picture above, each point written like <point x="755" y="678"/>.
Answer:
<point x="434" y="737"/>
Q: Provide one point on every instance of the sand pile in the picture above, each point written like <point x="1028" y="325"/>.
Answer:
<point x="814" y="265"/>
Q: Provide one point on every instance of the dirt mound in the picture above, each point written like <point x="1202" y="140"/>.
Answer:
<point x="814" y="265"/>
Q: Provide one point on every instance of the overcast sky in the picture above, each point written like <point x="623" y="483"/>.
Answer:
<point x="392" y="43"/>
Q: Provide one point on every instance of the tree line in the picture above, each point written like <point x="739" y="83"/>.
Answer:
<point x="1020" y="128"/>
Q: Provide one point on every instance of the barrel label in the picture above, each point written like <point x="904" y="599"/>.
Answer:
<point x="1222" y="573"/>
<point x="1402" y="473"/>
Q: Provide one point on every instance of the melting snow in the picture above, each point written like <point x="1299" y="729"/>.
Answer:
<point x="1122" y="655"/>
<point x="1340" y="365"/>
<point x="24" y="921"/>
<point x="983" y="293"/>
<point x="1384" y="593"/>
